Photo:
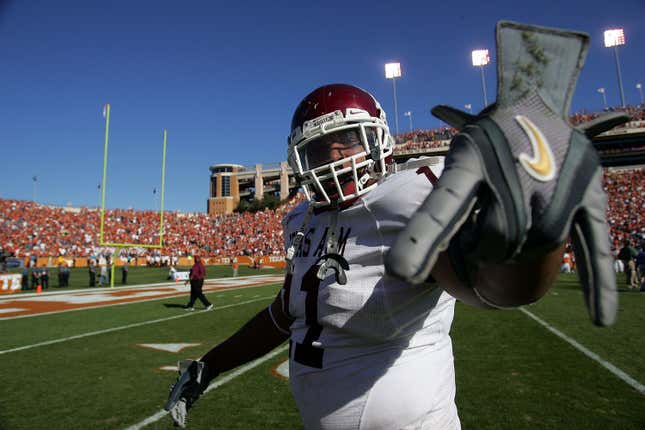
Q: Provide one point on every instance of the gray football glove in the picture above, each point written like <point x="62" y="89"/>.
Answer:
<point x="518" y="179"/>
<point x="189" y="386"/>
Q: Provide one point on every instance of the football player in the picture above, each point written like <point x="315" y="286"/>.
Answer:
<point x="356" y="335"/>
<point x="367" y="350"/>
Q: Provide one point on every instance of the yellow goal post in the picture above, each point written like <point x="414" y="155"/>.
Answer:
<point x="106" y="114"/>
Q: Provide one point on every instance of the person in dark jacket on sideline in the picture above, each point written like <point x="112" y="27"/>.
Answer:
<point x="196" y="278"/>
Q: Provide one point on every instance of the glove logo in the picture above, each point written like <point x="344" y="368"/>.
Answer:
<point x="541" y="165"/>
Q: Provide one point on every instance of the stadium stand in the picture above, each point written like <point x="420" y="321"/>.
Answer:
<point x="626" y="192"/>
<point x="423" y="140"/>
<point x="28" y="229"/>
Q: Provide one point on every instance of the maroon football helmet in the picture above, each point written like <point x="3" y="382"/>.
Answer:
<point x="346" y="121"/>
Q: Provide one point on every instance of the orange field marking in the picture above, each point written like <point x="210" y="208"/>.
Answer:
<point x="22" y="305"/>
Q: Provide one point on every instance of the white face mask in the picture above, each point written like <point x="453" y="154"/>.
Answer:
<point x="335" y="164"/>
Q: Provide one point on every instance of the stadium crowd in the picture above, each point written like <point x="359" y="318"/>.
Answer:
<point x="636" y="112"/>
<point x="626" y="214"/>
<point x="28" y="229"/>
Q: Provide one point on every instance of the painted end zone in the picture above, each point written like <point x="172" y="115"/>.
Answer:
<point x="54" y="302"/>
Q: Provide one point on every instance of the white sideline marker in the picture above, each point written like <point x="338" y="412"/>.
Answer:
<point x="595" y="357"/>
<point x="218" y="383"/>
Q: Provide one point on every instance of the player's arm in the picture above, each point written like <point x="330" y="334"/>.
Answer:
<point x="535" y="275"/>
<point x="261" y="334"/>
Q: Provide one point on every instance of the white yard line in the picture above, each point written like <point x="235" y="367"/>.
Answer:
<point x="124" y="327"/>
<point x="218" y="383"/>
<point x="595" y="357"/>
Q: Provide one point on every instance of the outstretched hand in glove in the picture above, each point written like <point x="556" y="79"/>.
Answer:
<point x="190" y="384"/>
<point x="519" y="179"/>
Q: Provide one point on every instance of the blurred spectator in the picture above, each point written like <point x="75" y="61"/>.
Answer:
<point x="640" y="266"/>
<point x="64" y="269"/>
<point x="3" y="260"/>
<point x="566" y="262"/>
<point x="103" y="271"/>
<point x="35" y="278"/>
<point x="44" y="278"/>
<point x="628" y="255"/>
<point x="24" y="284"/>
<point x="124" y="271"/>
<point x="235" y="264"/>
<point x="91" y="270"/>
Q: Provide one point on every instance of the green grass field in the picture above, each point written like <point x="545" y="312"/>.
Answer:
<point x="512" y="373"/>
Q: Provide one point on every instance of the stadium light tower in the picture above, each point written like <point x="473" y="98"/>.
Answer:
<point x="393" y="71"/>
<point x="480" y="59"/>
<point x="613" y="39"/>
<point x="409" y="115"/>
<point x="639" y="87"/>
<point x="604" y="97"/>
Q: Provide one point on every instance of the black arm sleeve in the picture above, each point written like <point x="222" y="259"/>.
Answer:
<point x="256" y="338"/>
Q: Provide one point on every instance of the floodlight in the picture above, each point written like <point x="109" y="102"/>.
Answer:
<point x="614" y="37"/>
<point x="392" y="70"/>
<point x="480" y="57"/>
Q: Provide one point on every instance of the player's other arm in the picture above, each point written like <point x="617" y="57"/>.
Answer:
<point x="261" y="334"/>
<point x="535" y="276"/>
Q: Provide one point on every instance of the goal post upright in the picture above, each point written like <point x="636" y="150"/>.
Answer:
<point x="106" y="111"/>
<point x="163" y="187"/>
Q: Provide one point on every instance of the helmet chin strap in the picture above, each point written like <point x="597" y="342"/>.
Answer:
<point x="362" y="181"/>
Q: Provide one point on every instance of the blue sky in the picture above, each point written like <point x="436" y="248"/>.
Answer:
<point x="224" y="80"/>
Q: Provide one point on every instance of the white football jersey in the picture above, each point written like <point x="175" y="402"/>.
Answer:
<point x="371" y="312"/>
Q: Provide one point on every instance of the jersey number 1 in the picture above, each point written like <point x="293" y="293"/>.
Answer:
<point x="306" y="353"/>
